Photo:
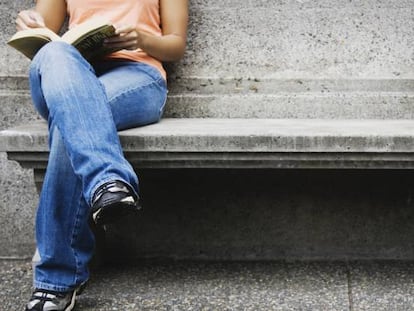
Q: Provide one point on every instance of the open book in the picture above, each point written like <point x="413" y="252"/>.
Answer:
<point x="86" y="37"/>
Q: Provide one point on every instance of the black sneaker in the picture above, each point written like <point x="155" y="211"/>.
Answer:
<point x="112" y="201"/>
<point x="47" y="300"/>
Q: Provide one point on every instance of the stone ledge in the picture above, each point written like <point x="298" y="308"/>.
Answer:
<point x="201" y="97"/>
<point x="244" y="143"/>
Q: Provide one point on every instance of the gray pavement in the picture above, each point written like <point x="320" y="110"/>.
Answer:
<point x="231" y="286"/>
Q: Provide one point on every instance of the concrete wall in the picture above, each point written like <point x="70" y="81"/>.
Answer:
<point x="262" y="58"/>
<point x="18" y="198"/>
<point x="281" y="39"/>
<point x="300" y="39"/>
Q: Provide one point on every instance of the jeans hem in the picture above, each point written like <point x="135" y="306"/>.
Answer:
<point x="56" y="288"/>
<point x="106" y="180"/>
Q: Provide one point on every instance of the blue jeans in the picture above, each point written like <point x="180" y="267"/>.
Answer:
<point x="85" y="105"/>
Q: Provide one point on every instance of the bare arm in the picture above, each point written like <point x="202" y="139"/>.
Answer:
<point x="47" y="13"/>
<point x="171" y="45"/>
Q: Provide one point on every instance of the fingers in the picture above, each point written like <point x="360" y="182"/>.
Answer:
<point x="29" y="19"/>
<point x="124" y="29"/>
<point x="126" y="37"/>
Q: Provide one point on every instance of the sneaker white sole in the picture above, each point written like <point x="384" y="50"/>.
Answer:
<point x="72" y="302"/>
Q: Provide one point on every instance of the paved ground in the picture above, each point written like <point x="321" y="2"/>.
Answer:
<point x="232" y="286"/>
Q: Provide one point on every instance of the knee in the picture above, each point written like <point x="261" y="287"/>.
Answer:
<point x="52" y="51"/>
<point x="55" y="54"/>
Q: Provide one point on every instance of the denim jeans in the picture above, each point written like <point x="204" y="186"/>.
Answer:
<point x="85" y="105"/>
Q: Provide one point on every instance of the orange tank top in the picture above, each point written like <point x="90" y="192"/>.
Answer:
<point x="145" y="14"/>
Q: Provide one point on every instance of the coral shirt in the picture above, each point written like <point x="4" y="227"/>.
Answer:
<point x="145" y="14"/>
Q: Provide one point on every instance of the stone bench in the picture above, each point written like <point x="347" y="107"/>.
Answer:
<point x="271" y="146"/>
<point x="243" y="143"/>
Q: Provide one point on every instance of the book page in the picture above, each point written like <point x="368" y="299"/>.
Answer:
<point x="81" y="30"/>
<point x="36" y="32"/>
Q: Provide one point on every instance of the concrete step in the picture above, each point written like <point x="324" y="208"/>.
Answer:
<point x="249" y="286"/>
<point x="356" y="105"/>
<point x="253" y="98"/>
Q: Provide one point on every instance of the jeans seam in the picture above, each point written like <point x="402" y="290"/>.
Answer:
<point x="73" y="238"/>
<point x="133" y="89"/>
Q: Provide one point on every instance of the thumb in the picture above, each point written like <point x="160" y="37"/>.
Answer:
<point x="37" y="18"/>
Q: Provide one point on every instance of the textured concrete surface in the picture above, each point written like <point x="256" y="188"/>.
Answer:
<point x="11" y="63"/>
<point x="382" y="286"/>
<point x="293" y="106"/>
<point x="18" y="200"/>
<point x="242" y="135"/>
<point x="300" y="38"/>
<point x="295" y="38"/>
<point x="159" y="286"/>
<point x="291" y="98"/>
<point x="256" y="98"/>
<point x="18" y="197"/>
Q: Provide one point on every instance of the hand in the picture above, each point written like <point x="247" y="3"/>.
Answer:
<point x="126" y="37"/>
<point x="29" y="19"/>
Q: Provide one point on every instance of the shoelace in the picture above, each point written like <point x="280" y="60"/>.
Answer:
<point x="43" y="296"/>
